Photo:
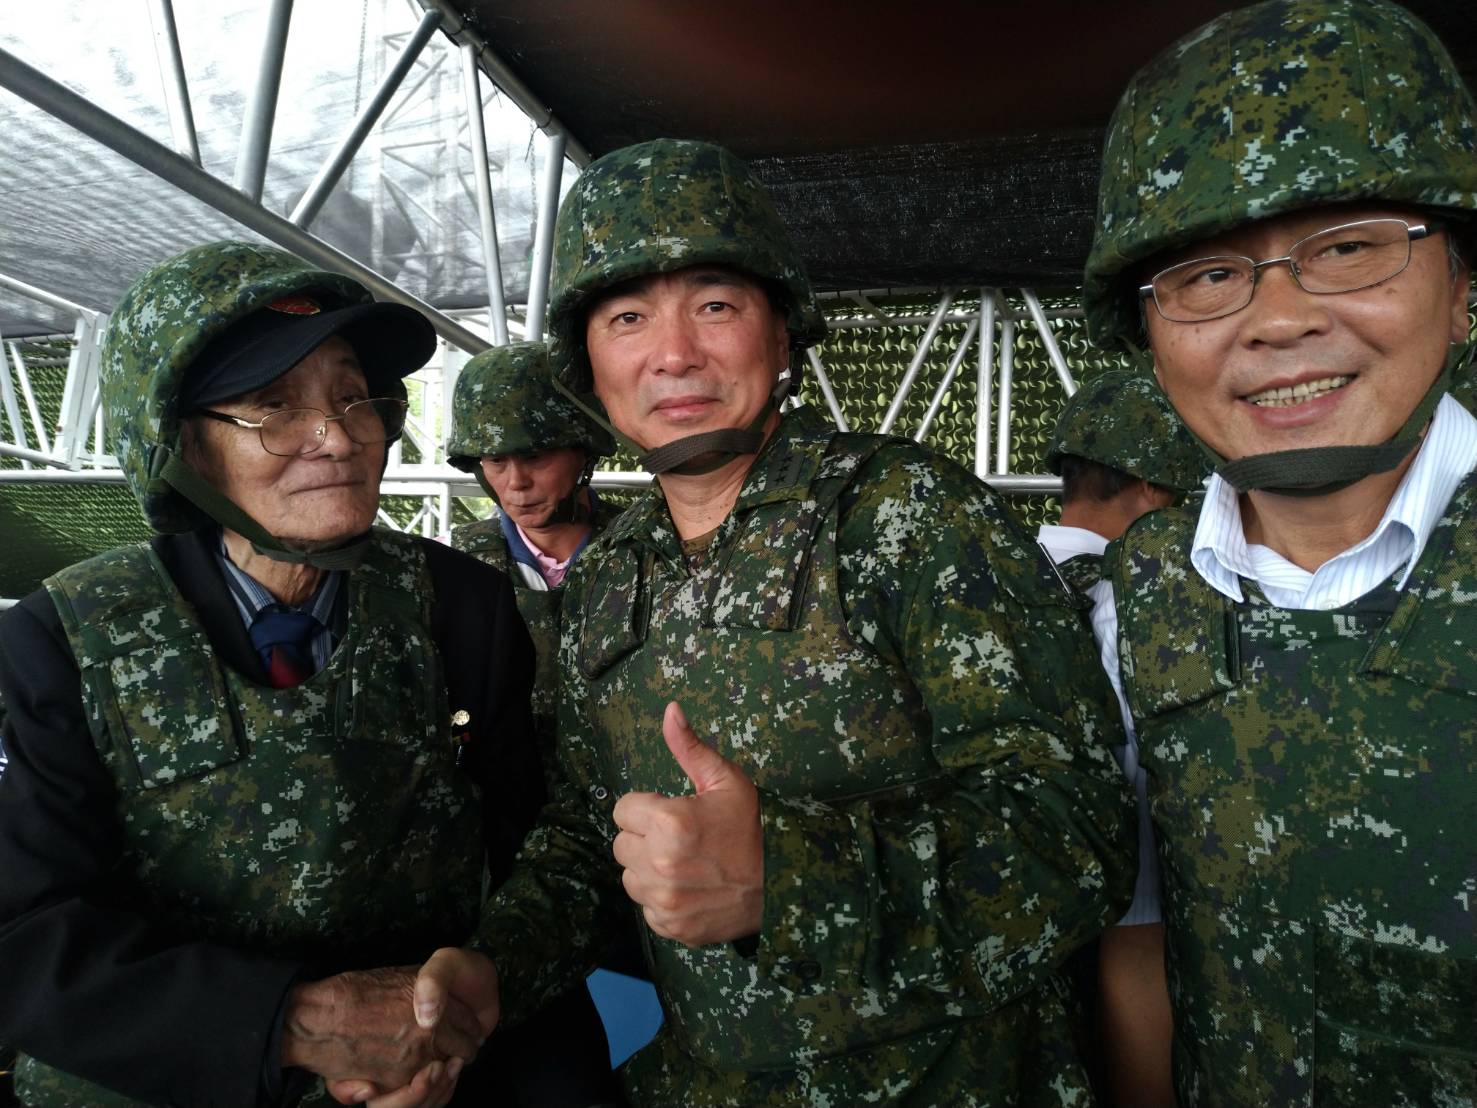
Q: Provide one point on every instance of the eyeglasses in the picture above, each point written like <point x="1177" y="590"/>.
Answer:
<point x="295" y="431"/>
<point x="1346" y="258"/>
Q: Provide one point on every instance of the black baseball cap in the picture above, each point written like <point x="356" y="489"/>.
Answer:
<point x="390" y="340"/>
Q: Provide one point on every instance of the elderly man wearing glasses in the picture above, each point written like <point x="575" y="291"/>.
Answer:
<point x="265" y="758"/>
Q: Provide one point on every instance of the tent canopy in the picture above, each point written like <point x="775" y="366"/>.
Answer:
<point x="948" y="142"/>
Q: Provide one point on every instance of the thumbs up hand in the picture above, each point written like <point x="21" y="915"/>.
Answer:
<point x="694" y="863"/>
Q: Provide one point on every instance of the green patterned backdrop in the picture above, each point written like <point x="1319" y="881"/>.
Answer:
<point x="44" y="527"/>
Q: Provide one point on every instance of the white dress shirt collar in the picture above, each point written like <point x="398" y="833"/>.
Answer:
<point x="1222" y="555"/>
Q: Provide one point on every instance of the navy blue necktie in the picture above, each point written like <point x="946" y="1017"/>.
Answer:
<point x="283" y="637"/>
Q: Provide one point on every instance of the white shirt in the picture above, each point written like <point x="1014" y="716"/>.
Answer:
<point x="1221" y="554"/>
<point x="1061" y="543"/>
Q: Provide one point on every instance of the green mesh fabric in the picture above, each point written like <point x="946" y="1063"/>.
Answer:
<point x="46" y="527"/>
<point x="866" y="366"/>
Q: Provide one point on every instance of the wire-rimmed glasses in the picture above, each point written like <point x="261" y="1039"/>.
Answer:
<point x="1345" y="258"/>
<point x="293" y="431"/>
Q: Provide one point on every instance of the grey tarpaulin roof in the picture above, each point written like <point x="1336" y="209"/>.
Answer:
<point x="80" y="221"/>
<point x="951" y="141"/>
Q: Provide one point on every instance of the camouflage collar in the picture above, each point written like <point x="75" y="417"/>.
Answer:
<point x="782" y="470"/>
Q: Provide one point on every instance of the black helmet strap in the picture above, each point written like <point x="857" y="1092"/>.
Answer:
<point x="1320" y="470"/>
<point x="694" y="454"/>
<point x="188" y="482"/>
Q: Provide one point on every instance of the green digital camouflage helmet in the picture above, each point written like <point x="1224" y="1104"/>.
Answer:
<point x="1123" y="420"/>
<point x="166" y="318"/>
<point x="657" y="207"/>
<point x="1270" y="109"/>
<point x="505" y="403"/>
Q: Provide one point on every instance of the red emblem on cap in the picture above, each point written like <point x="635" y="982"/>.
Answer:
<point x="295" y="305"/>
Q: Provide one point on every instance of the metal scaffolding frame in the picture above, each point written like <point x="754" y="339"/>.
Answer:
<point x="72" y="452"/>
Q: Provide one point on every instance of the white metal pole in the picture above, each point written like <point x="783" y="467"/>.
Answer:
<point x="261" y="109"/>
<point x="825" y="386"/>
<point x="1048" y="340"/>
<point x="916" y="364"/>
<point x="1007" y="372"/>
<point x="172" y="74"/>
<point x="338" y="162"/>
<point x="938" y="394"/>
<point x="985" y="384"/>
<point x="485" y="211"/>
<point x="43" y="440"/>
<point x="543" y="241"/>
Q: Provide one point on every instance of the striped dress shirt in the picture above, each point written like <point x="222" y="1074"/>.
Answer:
<point x="251" y="597"/>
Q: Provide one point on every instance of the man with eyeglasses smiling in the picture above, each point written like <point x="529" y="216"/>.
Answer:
<point x="1285" y="204"/>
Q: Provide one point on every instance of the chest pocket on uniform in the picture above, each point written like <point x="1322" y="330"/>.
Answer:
<point x="615" y="610"/>
<point x="165" y="699"/>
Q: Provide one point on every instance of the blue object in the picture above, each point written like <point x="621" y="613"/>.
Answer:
<point x="630" y="1010"/>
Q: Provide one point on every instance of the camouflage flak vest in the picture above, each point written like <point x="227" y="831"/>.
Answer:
<point x="1080" y="572"/>
<point x="539" y="608"/>
<point x="1313" y="782"/>
<point x="754" y="643"/>
<point x="326" y="822"/>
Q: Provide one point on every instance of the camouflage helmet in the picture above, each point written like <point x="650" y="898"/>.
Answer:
<point x="505" y="403"/>
<point x="164" y="321"/>
<point x="657" y="207"/>
<point x="1123" y="420"/>
<point x="1270" y="109"/>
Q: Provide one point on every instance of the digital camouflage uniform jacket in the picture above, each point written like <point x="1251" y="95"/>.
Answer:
<point x="1311" y="781"/>
<point x="872" y="640"/>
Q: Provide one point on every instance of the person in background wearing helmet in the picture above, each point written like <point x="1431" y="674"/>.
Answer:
<point x="826" y="720"/>
<point x="1285" y="200"/>
<point x="263" y="759"/>
<point x="533" y="452"/>
<point x="1121" y="451"/>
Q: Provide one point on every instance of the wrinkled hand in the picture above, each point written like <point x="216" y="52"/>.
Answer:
<point x="433" y="1087"/>
<point x="694" y="863"/>
<point x="361" y="1025"/>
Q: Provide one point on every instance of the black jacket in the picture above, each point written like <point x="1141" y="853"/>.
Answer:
<point x="99" y="993"/>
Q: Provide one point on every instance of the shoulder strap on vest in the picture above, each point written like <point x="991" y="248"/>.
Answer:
<point x="1430" y="635"/>
<point x="394" y="578"/>
<point x="152" y="688"/>
<point x="1176" y="635"/>
<point x="482" y="537"/>
<point x="779" y="522"/>
<point x="117" y="603"/>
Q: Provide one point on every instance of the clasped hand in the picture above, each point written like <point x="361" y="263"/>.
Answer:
<point x="394" y="1037"/>
<point x="694" y="863"/>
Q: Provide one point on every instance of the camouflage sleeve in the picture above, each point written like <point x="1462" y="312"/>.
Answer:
<point x="550" y="922"/>
<point x="980" y="881"/>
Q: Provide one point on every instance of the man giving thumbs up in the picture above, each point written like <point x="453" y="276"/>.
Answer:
<point x="887" y="807"/>
<point x="694" y="863"/>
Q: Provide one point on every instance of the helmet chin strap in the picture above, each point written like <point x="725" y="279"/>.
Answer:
<point x="1320" y="470"/>
<point x="186" y="481"/>
<point x="573" y="506"/>
<point x="693" y="454"/>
